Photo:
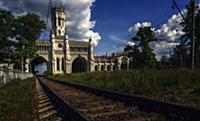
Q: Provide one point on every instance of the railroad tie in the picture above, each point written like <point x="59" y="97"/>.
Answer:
<point x="45" y="109"/>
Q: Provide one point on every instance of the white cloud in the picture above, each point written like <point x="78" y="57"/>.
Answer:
<point x="136" y="27"/>
<point x="168" y="35"/>
<point x="117" y="39"/>
<point x="79" y="22"/>
<point x="120" y="40"/>
<point x="131" y="43"/>
<point x="172" y="30"/>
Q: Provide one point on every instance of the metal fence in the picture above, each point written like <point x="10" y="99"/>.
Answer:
<point x="7" y="75"/>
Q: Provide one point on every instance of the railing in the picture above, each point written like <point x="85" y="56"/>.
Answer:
<point x="7" y="75"/>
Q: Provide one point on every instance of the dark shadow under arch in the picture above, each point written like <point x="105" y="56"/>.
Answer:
<point x="79" y="65"/>
<point x="124" y="64"/>
<point x="39" y="61"/>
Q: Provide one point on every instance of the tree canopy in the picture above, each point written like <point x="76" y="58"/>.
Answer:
<point x="7" y="36"/>
<point x="142" y="54"/>
<point x="18" y="36"/>
<point x="182" y="54"/>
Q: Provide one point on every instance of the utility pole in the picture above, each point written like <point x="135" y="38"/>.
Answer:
<point x="193" y="33"/>
<point x="22" y="59"/>
<point x="192" y="26"/>
<point x="170" y="61"/>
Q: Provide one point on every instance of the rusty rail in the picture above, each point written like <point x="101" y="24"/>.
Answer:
<point x="180" y="112"/>
<point x="67" y="111"/>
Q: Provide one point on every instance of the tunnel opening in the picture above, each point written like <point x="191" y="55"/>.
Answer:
<point x="39" y="66"/>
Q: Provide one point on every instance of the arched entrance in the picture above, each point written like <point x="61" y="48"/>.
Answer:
<point x="39" y="66"/>
<point x="79" y="65"/>
<point x="124" y="63"/>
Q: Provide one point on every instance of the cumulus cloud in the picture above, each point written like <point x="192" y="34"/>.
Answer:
<point x="172" y="30"/>
<point x="131" y="43"/>
<point x="136" y="27"/>
<point x="79" y="24"/>
<point x="168" y="35"/>
<point x="161" y="48"/>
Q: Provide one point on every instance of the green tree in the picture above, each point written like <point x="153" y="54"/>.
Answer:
<point x="134" y="53"/>
<point x="29" y="28"/>
<point x="187" y="28"/>
<point x="180" y="57"/>
<point x="7" y="37"/>
<point x="146" y="35"/>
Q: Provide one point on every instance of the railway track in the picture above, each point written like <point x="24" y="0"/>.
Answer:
<point x="45" y="110"/>
<point x="97" y="108"/>
<point x="84" y="104"/>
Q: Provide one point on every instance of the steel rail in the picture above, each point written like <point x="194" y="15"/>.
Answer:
<point x="178" y="111"/>
<point x="65" y="108"/>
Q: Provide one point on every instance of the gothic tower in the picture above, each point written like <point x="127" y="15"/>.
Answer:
<point x="58" y="21"/>
<point x="58" y="40"/>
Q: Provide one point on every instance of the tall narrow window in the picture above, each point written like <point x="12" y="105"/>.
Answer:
<point x="102" y="68"/>
<point x="63" y="64"/>
<point x="96" y="68"/>
<point x="58" y="64"/>
<point x="59" y="21"/>
<point x="108" y="68"/>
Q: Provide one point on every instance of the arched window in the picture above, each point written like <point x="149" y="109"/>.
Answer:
<point x="96" y="68"/>
<point x="63" y="64"/>
<point x="59" y="21"/>
<point x="124" y="64"/>
<point x="114" y="67"/>
<point x="108" y="68"/>
<point x="58" y="64"/>
<point x="102" y="67"/>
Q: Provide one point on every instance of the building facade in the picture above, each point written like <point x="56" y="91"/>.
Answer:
<point x="116" y="62"/>
<point x="62" y="55"/>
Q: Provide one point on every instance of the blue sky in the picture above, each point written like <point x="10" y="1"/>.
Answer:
<point x="108" y="21"/>
<point x="115" y="17"/>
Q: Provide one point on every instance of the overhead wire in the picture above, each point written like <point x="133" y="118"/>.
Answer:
<point x="166" y="14"/>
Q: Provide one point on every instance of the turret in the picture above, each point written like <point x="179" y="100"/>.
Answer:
<point x="58" y="21"/>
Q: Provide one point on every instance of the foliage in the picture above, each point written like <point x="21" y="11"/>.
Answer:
<point x="180" y="55"/>
<point x="18" y="36"/>
<point x="28" y="31"/>
<point x="133" y="52"/>
<point x="180" y="83"/>
<point x="7" y="35"/>
<point x="14" y="97"/>
<point x="145" y="57"/>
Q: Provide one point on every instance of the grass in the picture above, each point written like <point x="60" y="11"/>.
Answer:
<point x="17" y="100"/>
<point x="180" y="85"/>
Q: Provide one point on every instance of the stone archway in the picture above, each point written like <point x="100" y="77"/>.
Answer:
<point x="39" y="65"/>
<point x="79" y="65"/>
<point x="124" y="63"/>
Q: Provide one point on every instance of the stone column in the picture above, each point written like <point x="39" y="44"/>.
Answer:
<point x="68" y="57"/>
<point x="51" y="56"/>
<point x="90" y="57"/>
<point x="128" y="64"/>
